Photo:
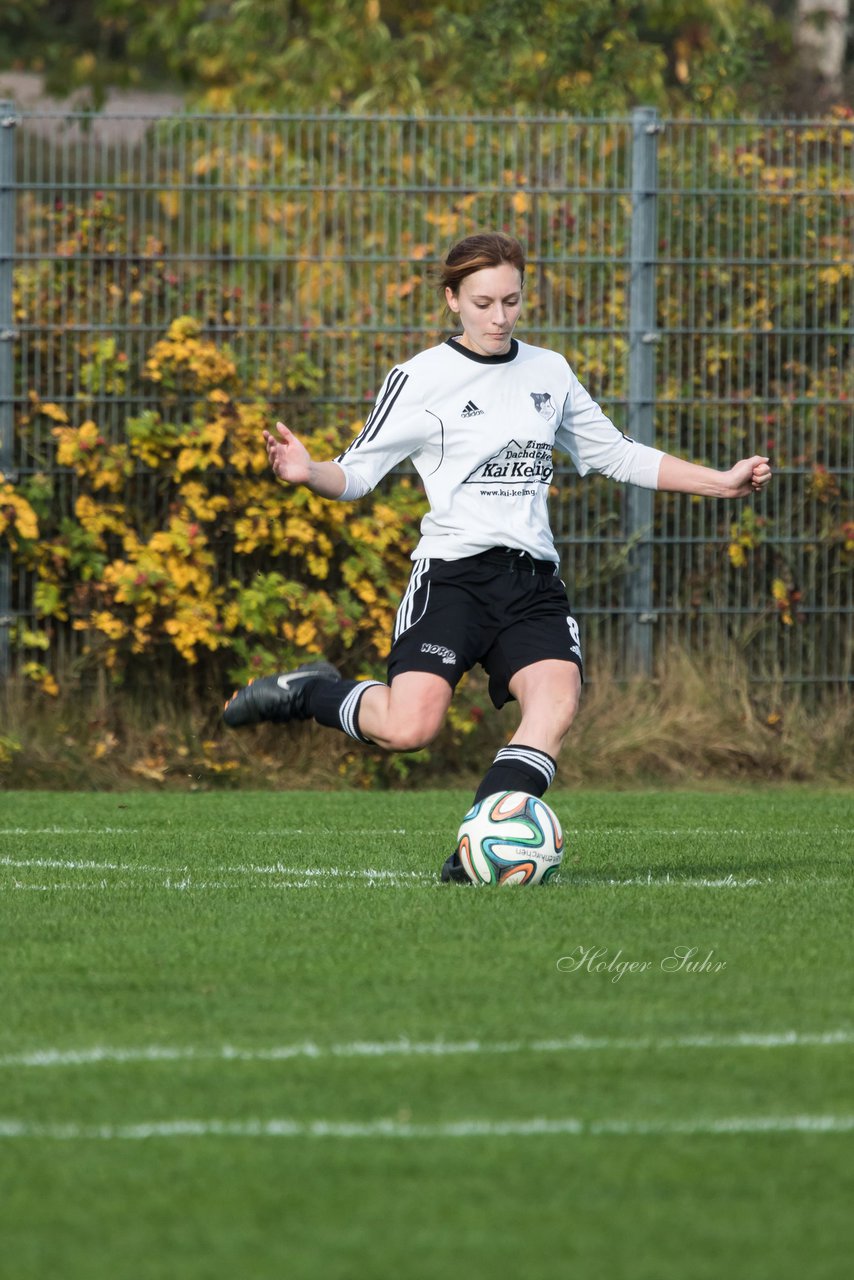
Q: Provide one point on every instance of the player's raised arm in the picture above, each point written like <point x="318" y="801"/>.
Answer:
<point x="293" y="464"/>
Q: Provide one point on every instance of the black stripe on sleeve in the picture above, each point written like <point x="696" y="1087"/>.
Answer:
<point x="385" y="402"/>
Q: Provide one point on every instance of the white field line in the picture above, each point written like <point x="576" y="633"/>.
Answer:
<point x="326" y="877"/>
<point x="475" y="1128"/>
<point x="405" y="1048"/>
<point x="187" y="885"/>
<point x="220" y="831"/>
<point x="245" y="869"/>
<point x="312" y="877"/>
<point x="595" y="830"/>
<point x="691" y="882"/>
<point x="319" y="878"/>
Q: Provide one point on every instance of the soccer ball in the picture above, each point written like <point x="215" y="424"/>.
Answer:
<point x="510" y="838"/>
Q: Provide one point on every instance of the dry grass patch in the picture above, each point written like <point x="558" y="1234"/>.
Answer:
<point x="697" y="721"/>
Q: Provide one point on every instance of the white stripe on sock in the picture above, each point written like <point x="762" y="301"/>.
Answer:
<point x="537" y="760"/>
<point x="348" y="713"/>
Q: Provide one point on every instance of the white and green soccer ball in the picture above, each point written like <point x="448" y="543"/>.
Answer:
<point x="510" y="838"/>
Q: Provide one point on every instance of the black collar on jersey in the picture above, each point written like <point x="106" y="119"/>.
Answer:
<point x="455" y="343"/>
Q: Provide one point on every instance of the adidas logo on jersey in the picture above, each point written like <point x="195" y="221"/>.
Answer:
<point x="471" y="410"/>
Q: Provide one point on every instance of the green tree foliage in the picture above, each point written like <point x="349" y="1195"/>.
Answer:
<point x="74" y="42"/>
<point x="574" y="56"/>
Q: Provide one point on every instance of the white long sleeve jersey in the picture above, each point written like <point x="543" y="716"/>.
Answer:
<point x="480" y="432"/>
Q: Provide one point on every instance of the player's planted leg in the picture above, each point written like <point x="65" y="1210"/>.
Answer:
<point x="515" y="768"/>
<point x="548" y="694"/>
<point x="453" y="870"/>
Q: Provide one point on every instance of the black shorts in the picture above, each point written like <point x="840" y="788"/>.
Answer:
<point x="500" y="608"/>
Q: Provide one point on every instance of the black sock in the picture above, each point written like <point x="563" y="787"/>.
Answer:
<point x="335" y="703"/>
<point x="518" y="768"/>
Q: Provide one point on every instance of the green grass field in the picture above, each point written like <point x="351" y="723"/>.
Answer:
<point x="251" y="1035"/>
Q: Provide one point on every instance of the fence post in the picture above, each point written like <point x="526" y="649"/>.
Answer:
<point x="8" y="120"/>
<point x="641" y="392"/>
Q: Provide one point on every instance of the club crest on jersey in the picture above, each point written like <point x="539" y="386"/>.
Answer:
<point x="516" y="464"/>
<point x="543" y="404"/>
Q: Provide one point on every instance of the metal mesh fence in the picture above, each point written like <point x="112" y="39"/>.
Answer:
<point x="754" y="278"/>
<point x="697" y="275"/>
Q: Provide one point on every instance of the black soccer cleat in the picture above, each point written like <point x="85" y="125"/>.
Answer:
<point x="453" y="870"/>
<point x="278" y="699"/>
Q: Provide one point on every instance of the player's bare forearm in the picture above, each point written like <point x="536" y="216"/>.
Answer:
<point x="748" y="476"/>
<point x="326" y="479"/>
<point x="293" y="464"/>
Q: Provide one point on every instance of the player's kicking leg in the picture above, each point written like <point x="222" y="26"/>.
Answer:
<point x="403" y="716"/>
<point x="278" y="699"/>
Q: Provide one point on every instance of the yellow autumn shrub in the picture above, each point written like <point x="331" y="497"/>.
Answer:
<point x="243" y="574"/>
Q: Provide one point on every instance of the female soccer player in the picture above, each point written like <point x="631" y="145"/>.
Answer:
<point x="478" y="416"/>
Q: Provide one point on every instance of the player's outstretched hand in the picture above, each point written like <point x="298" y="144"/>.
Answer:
<point x="289" y="458"/>
<point x="748" y="476"/>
